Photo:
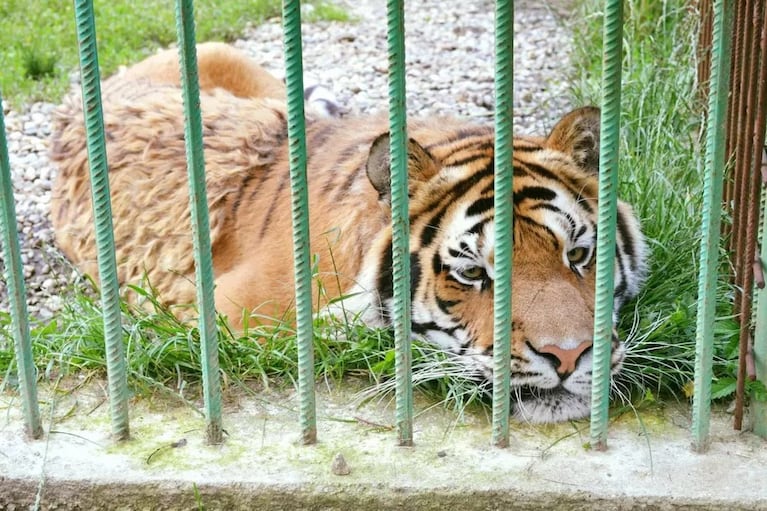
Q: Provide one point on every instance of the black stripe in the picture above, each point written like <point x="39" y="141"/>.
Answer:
<point x="620" y="289"/>
<point x="490" y="187"/>
<point x="432" y="228"/>
<point x="436" y="264"/>
<point x="385" y="278"/>
<point x="543" y="227"/>
<point x="526" y="374"/>
<point x="458" y="190"/>
<point x="525" y="146"/>
<point x="553" y="208"/>
<point x="628" y="239"/>
<point x="448" y="162"/>
<point x="422" y="328"/>
<point x="572" y="187"/>
<point x="284" y="181"/>
<point x="256" y="188"/>
<point x="320" y="133"/>
<point x="445" y="305"/>
<point x="343" y="190"/>
<point x="474" y="131"/>
<point x="384" y="284"/>
<point x="415" y="274"/>
<point x="541" y="171"/>
<point x="457" y="143"/>
<point x="351" y="150"/>
<point x="534" y="193"/>
<point x="480" y="206"/>
<point x="449" y="277"/>
<point x="477" y="228"/>
<point x="243" y="185"/>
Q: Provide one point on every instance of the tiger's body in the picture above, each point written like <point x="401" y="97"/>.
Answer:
<point x="451" y="219"/>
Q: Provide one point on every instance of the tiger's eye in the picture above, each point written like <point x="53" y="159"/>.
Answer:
<point x="577" y="255"/>
<point x="473" y="273"/>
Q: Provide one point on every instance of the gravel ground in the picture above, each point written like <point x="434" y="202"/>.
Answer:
<point x="449" y="46"/>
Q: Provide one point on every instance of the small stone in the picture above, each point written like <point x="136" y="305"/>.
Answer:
<point x="339" y="466"/>
<point x="441" y="454"/>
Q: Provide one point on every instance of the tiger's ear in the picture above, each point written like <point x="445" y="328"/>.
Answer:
<point x="577" y="134"/>
<point x="421" y="166"/>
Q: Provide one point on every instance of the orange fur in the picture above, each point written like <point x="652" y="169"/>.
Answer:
<point x="246" y="157"/>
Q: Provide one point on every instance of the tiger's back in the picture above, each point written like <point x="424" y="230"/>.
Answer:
<point x="450" y="167"/>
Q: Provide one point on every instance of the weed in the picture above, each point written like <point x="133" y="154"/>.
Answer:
<point x="38" y="65"/>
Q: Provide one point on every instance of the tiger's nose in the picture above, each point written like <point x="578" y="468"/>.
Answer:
<point x="566" y="359"/>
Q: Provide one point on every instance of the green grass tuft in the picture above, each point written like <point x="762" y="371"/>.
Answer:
<point x="38" y="66"/>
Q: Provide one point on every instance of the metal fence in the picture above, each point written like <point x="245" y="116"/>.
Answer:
<point x="719" y="84"/>
<point x="747" y="155"/>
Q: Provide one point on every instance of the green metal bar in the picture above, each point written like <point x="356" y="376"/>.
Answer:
<point x="102" y="213"/>
<point x="200" y="222"/>
<point x="14" y="272"/>
<point x="400" y="220"/>
<point x="712" y="204"/>
<point x="759" y="408"/>
<point x="606" y="222"/>
<point x="504" y="210"/>
<point x="291" y="22"/>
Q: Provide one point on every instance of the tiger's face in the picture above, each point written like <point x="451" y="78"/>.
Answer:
<point x="452" y="261"/>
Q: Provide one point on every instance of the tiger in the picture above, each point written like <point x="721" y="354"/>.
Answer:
<point x="450" y="167"/>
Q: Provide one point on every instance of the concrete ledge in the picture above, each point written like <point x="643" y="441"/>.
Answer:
<point x="648" y="465"/>
<point x="236" y="496"/>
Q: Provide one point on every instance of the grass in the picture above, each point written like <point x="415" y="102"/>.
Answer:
<point x="163" y="353"/>
<point x="661" y="175"/>
<point x="661" y="162"/>
<point x="40" y="44"/>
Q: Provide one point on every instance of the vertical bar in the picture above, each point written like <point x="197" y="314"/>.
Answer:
<point x="712" y="198"/>
<point x="759" y="408"/>
<point x="200" y="222"/>
<point x="738" y="120"/>
<point x="742" y="153"/>
<point x="752" y="160"/>
<point x="14" y="279"/>
<point x="504" y="210"/>
<point x="733" y="126"/>
<point x="704" y="45"/>
<point x="102" y="213"/>
<point x="606" y="222"/>
<point x="291" y="19"/>
<point x="400" y="220"/>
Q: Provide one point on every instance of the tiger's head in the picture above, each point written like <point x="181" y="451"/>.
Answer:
<point x="452" y="247"/>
